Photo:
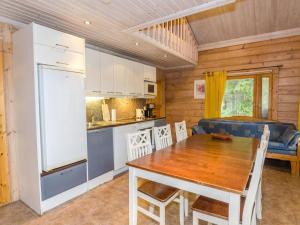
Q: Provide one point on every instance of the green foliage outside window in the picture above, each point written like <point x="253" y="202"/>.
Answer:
<point x="238" y="98"/>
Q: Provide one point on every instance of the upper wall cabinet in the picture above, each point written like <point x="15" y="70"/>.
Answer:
<point x="107" y="74"/>
<point x="92" y="69"/>
<point x="149" y="73"/>
<point x="59" y="40"/>
<point x="113" y="76"/>
<point x="58" y="49"/>
<point x="120" y="70"/>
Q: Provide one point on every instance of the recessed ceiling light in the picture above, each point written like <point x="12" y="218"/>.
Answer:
<point x="165" y="55"/>
<point x="106" y="1"/>
<point x="136" y="43"/>
<point x="86" y="22"/>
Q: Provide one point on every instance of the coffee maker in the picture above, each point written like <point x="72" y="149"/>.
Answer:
<point x="148" y="109"/>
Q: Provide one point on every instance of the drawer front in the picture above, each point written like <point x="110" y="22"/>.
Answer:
<point x="57" y="39"/>
<point x="58" y="182"/>
<point x="57" y="57"/>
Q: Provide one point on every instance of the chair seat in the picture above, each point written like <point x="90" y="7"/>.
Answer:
<point x="214" y="207"/>
<point x="158" y="191"/>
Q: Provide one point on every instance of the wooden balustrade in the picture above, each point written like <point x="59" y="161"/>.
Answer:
<point x="174" y="36"/>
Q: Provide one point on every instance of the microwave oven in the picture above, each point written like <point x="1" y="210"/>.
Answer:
<point x="150" y="88"/>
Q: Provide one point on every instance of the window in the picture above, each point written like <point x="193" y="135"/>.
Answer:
<point x="247" y="96"/>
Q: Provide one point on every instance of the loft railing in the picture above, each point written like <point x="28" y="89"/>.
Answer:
<point x="174" y="36"/>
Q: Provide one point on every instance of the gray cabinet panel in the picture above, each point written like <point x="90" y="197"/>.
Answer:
<point x="58" y="182"/>
<point x="100" y="152"/>
<point x="160" y="122"/>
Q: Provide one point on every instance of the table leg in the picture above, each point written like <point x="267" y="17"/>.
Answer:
<point x="234" y="209"/>
<point x="132" y="197"/>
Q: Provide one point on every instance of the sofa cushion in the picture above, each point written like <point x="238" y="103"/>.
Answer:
<point x="283" y="152"/>
<point x="276" y="145"/>
<point x="198" y="130"/>
<point x="287" y="136"/>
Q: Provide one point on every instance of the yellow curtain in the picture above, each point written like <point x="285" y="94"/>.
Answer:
<point x="299" y="117"/>
<point x="215" y="84"/>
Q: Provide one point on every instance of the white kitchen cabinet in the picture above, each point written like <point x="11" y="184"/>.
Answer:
<point x="139" y="76"/>
<point x="93" y="73"/>
<point x="131" y="78"/>
<point x="149" y="73"/>
<point x="47" y="55"/>
<point x="113" y="76"/>
<point x="58" y="40"/>
<point x="120" y="78"/>
<point x="107" y="74"/>
<point x="135" y="79"/>
<point x="120" y="144"/>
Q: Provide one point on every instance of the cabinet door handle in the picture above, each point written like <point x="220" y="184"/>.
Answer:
<point x="62" y="63"/>
<point x="132" y="93"/>
<point x="119" y="92"/>
<point x="110" y="92"/>
<point x="64" y="46"/>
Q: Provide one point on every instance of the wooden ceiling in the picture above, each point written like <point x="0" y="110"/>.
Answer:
<point x="109" y="19"/>
<point x="245" y="18"/>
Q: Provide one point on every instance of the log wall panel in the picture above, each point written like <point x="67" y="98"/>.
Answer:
<point x="180" y="102"/>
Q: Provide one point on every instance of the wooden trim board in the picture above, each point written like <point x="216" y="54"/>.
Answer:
<point x="250" y="39"/>
<point x="4" y="170"/>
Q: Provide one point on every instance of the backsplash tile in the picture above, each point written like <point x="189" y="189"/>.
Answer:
<point x="125" y="107"/>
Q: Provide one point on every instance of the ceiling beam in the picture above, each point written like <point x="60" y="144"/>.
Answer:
<point x="196" y="9"/>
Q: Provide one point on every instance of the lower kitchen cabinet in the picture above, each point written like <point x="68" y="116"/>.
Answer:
<point x="160" y="122"/>
<point x="55" y="183"/>
<point x="120" y="145"/>
<point x="100" y="152"/>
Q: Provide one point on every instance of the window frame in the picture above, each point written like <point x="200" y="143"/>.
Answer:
<point x="257" y="92"/>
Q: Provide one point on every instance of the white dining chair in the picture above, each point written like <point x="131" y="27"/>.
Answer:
<point x="163" y="139"/>
<point x="181" y="132"/>
<point x="216" y="212"/>
<point x="264" y="138"/>
<point x="162" y="136"/>
<point x="160" y="195"/>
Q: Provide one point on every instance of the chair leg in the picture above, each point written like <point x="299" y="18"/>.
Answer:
<point x="186" y="204"/>
<point x="258" y="204"/>
<point x="195" y="219"/>
<point x="253" y="220"/>
<point x="151" y="208"/>
<point x="181" y="209"/>
<point x="162" y="214"/>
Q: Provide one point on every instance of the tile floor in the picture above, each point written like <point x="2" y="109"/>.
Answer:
<point x="108" y="205"/>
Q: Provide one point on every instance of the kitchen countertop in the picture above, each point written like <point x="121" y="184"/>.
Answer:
<point x="104" y="124"/>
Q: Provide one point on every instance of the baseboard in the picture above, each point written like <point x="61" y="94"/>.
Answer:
<point x="120" y="171"/>
<point x="100" y="180"/>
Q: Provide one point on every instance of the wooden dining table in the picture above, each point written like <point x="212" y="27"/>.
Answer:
<point x="215" y="168"/>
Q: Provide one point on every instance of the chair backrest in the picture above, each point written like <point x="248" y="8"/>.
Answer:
<point x="162" y="136"/>
<point x="181" y="132"/>
<point x="138" y="144"/>
<point x="249" y="212"/>
<point x="265" y="137"/>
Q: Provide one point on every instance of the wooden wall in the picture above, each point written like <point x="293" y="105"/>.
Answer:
<point x="180" y="102"/>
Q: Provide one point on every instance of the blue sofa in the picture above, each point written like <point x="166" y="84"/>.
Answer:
<point x="283" y="142"/>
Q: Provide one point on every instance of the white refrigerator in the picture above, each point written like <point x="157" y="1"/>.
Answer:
<point x="62" y="116"/>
